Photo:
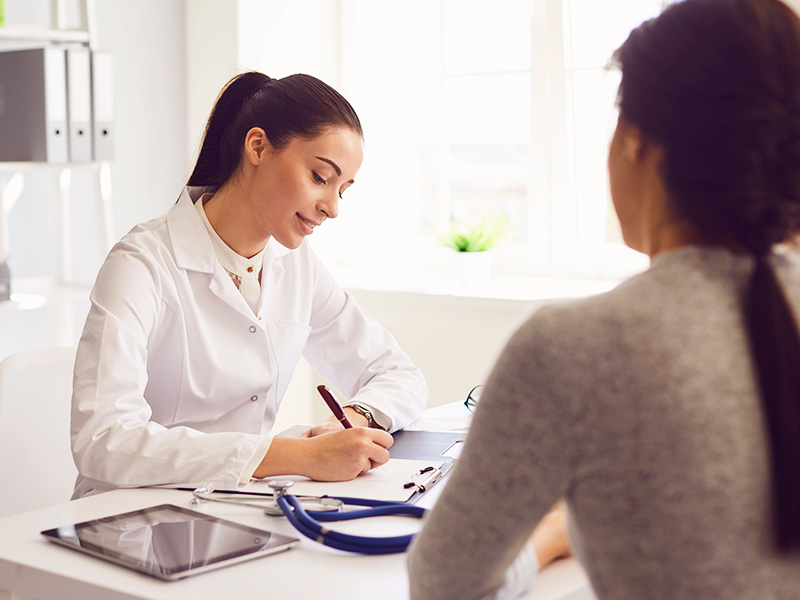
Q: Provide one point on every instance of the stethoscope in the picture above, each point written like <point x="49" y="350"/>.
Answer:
<point x="324" y="508"/>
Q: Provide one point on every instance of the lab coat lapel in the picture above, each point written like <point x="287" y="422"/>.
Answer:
<point x="271" y="273"/>
<point x="194" y="251"/>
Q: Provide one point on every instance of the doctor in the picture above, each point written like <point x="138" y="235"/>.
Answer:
<point x="198" y="317"/>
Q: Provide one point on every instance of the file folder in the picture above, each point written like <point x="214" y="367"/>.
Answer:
<point x="79" y="104"/>
<point x="33" y="106"/>
<point x="103" y="105"/>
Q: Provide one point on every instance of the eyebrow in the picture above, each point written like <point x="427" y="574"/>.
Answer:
<point x="334" y="165"/>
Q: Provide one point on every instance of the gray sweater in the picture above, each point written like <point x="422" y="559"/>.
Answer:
<point x="640" y="408"/>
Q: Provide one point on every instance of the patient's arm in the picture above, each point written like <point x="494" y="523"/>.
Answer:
<point x="550" y="536"/>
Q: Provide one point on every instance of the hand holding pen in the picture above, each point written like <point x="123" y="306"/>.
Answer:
<point x="341" y="454"/>
<point x="335" y="407"/>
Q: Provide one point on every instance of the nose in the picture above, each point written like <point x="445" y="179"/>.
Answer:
<point x="329" y="206"/>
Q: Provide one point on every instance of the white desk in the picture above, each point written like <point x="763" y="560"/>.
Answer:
<point x="31" y="567"/>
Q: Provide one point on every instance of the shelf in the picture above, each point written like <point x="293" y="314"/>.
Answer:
<point x="34" y="34"/>
<point x="12" y="167"/>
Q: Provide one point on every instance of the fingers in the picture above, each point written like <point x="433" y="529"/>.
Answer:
<point x="344" y="454"/>
<point x="382" y="438"/>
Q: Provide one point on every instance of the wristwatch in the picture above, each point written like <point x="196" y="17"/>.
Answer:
<point x="367" y="414"/>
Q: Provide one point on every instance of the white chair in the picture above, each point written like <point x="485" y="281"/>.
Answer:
<point x="36" y="467"/>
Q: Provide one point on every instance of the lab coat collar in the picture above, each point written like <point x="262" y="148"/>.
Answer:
<point x="190" y="242"/>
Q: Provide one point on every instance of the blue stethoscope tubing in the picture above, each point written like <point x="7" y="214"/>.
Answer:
<point x="308" y="523"/>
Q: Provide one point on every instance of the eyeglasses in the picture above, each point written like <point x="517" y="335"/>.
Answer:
<point x="472" y="398"/>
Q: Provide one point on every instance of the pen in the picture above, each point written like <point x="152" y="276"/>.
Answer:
<point x="411" y="482"/>
<point x="335" y="407"/>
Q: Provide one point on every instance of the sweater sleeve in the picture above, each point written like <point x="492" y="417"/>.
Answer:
<point x="513" y="468"/>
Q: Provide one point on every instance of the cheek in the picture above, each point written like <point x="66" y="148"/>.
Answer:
<point x="284" y="192"/>
<point x="623" y="197"/>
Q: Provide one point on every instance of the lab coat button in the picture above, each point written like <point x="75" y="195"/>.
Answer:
<point x="252" y="328"/>
<point x="253" y="398"/>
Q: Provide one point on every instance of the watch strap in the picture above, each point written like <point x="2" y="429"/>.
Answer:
<point x="367" y="414"/>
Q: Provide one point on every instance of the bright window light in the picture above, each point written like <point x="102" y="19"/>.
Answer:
<point x="473" y="109"/>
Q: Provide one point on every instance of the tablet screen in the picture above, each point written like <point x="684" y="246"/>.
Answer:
<point x="168" y="541"/>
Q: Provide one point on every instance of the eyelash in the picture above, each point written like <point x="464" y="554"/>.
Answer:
<point x="318" y="178"/>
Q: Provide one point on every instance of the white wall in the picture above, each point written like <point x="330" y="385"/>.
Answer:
<point x="453" y="340"/>
<point x="151" y="164"/>
<point x="211" y="59"/>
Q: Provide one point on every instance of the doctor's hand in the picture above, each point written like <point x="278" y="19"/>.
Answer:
<point x="338" y="456"/>
<point x="332" y="424"/>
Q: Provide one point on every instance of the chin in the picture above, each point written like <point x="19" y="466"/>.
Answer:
<point x="291" y="242"/>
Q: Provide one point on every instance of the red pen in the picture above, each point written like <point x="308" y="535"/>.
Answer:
<point x="335" y="407"/>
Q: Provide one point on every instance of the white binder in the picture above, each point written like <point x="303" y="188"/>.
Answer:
<point x="79" y="104"/>
<point x="103" y="105"/>
<point x="33" y="106"/>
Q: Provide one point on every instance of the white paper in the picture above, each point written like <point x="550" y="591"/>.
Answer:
<point x="460" y="423"/>
<point x="383" y="483"/>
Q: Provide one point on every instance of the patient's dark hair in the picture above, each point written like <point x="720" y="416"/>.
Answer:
<point x="294" y="106"/>
<point x="717" y="84"/>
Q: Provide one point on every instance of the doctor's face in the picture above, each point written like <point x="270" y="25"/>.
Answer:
<point x="299" y="187"/>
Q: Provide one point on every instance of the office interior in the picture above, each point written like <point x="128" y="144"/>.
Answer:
<point x="472" y="110"/>
<point x="434" y="82"/>
<point x="171" y="57"/>
<point x="443" y="150"/>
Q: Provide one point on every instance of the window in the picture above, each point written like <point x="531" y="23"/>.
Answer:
<point x="474" y="109"/>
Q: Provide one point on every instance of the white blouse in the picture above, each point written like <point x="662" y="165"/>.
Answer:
<point x="244" y="272"/>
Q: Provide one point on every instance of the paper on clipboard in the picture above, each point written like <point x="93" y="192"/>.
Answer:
<point x="383" y="483"/>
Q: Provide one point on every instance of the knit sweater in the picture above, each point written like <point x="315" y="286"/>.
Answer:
<point x="640" y="408"/>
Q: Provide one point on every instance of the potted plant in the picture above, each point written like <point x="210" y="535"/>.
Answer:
<point x="473" y="240"/>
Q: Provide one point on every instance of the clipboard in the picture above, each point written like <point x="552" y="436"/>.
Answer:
<point x="426" y="445"/>
<point x="414" y="444"/>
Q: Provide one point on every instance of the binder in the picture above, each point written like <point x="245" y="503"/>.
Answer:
<point x="33" y="106"/>
<point x="79" y="104"/>
<point x="103" y="105"/>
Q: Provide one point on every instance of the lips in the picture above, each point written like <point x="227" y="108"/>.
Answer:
<point x="309" y="225"/>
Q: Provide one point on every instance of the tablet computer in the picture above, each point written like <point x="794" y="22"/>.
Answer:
<point x="169" y="542"/>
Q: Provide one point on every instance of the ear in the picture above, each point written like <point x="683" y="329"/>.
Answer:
<point x="256" y="146"/>
<point x="633" y="142"/>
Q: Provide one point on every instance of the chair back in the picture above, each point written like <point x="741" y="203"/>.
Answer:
<point x="36" y="466"/>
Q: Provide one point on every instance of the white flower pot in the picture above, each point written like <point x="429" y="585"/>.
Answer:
<point x="476" y="267"/>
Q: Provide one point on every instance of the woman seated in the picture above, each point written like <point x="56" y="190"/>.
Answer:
<point x="199" y="317"/>
<point x="666" y="413"/>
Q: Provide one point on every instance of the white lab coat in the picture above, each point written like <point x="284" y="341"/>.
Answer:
<point x="178" y="381"/>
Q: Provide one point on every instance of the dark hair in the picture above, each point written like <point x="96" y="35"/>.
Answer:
<point x="294" y="106"/>
<point x="717" y="84"/>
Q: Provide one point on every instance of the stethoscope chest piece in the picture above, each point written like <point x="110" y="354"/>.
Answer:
<point x="279" y="487"/>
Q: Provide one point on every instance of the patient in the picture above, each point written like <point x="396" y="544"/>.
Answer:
<point x="666" y="413"/>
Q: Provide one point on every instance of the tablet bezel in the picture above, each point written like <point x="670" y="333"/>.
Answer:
<point x="281" y="543"/>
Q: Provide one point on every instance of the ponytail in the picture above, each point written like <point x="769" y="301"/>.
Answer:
<point x="775" y="343"/>
<point x="294" y="106"/>
<point x="717" y="83"/>
<point x="219" y="158"/>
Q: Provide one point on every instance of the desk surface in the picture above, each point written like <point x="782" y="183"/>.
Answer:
<point x="32" y="567"/>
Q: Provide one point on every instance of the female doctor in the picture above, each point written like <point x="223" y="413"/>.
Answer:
<point x="198" y="317"/>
